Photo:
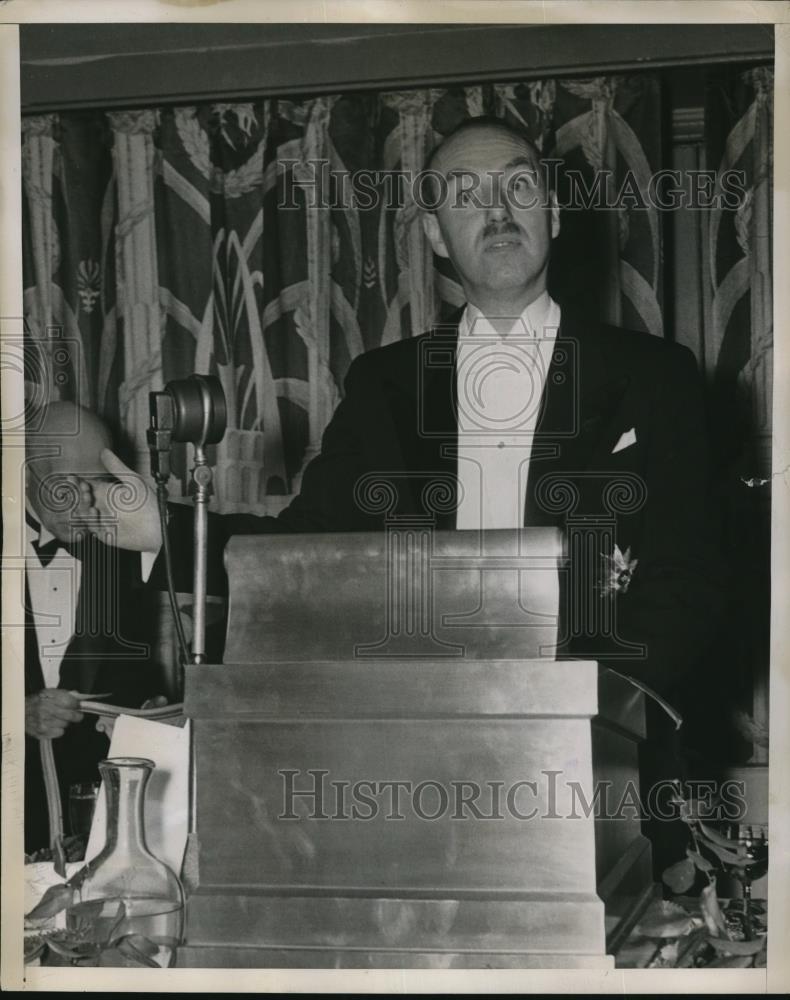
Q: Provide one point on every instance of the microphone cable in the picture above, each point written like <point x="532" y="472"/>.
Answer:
<point x="161" y="499"/>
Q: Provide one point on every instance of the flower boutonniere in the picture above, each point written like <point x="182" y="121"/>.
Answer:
<point x="618" y="571"/>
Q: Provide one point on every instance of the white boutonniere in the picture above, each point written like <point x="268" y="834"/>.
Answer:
<point x="618" y="571"/>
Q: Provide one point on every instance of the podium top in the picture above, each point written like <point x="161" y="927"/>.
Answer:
<point x="405" y="592"/>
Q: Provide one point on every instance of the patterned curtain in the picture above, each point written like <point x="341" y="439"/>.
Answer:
<point x="739" y="342"/>
<point x="168" y="240"/>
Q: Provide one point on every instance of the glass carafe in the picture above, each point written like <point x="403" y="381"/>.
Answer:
<point x="125" y="899"/>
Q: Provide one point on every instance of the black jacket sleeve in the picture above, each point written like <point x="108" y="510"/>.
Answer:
<point x="676" y="600"/>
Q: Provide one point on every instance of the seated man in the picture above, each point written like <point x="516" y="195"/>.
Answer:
<point x="81" y="635"/>
<point x="541" y="417"/>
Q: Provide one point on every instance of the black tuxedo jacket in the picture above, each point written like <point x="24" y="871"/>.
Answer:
<point x="107" y="652"/>
<point x="398" y="422"/>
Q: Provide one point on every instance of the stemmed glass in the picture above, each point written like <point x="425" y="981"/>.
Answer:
<point x="755" y="841"/>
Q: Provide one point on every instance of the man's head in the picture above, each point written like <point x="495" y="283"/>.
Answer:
<point x="64" y="447"/>
<point x="495" y="218"/>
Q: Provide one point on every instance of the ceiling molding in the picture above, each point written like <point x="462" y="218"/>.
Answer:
<point x="68" y="66"/>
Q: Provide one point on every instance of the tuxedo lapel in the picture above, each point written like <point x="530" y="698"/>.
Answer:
<point x="34" y="676"/>
<point x="80" y="663"/>
<point x="580" y="394"/>
<point x="439" y="430"/>
<point x="423" y="411"/>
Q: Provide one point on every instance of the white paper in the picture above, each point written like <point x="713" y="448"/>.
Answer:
<point x="39" y="877"/>
<point x="166" y="800"/>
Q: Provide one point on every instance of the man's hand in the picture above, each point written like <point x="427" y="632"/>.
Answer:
<point x="128" y="507"/>
<point x="49" y="712"/>
<point x="62" y="503"/>
<point x="158" y="701"/>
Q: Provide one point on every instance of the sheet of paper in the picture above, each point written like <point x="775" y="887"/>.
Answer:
<point x="166" y="801"/>
<point x="39" y="877"/>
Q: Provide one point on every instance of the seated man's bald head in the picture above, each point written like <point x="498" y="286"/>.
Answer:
<point x="69" y="440"/>
<point x="64" y="445"/>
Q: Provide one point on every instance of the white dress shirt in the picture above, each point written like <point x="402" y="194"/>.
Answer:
<point x="53" y="590"/>
<point x="499" y="383"/>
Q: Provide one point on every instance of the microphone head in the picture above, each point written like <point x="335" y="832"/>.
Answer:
<point x="199" y="409"/>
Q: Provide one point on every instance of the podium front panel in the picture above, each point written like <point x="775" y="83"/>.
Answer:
<point x="414" y="863"/>
<point x="392" y="768"/>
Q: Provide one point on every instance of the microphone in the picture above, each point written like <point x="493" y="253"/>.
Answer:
<point x="191" y="409"/>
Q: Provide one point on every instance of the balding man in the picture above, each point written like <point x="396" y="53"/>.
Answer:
<point x="80" y="636"/>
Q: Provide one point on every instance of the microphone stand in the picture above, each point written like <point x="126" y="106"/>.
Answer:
<point x="193" y="410"/>
<point x="200" y="489"/>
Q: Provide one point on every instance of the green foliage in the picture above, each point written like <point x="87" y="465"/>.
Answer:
<point x="680" y="876"/>
<point x="55" y="899"/>
<point x="702" y="863"/>
<point x="711" y="912"/>
<point x="709" y="939"/>
<point x="739" y="947"/>
<point x="82" y="944"/>
<point x="666" y="919"/>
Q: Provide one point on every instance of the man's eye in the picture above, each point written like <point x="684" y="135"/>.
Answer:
<point x="522" y="183"/>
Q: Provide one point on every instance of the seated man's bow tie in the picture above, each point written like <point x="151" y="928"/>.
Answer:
<point x="44" y="550"/>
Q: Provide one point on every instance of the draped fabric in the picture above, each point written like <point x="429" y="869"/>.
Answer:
<point x="739" y="113"/>
<point x="739" y="344"/>
<point x="209" y="238"/>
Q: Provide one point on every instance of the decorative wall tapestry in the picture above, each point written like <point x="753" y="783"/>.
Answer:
<point x="164" y="241"/>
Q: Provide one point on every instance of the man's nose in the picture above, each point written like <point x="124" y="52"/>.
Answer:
<point x="499" y="207"/>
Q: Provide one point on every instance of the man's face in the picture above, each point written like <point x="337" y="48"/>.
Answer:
<point x="496" y="223"/>
<point x="54" y="497"/>
<point x="61" y="466"/>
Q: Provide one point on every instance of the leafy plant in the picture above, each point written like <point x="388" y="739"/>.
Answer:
<point x="89" y="941"/>
<point x="711" y="937"/>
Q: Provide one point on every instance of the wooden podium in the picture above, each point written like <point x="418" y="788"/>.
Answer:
<point x="393" y="771"/>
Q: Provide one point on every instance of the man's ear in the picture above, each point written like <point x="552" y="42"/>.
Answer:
<point x="34" y="477"/>
<point x="430" y="225"/>
<point x="555" y="215"/>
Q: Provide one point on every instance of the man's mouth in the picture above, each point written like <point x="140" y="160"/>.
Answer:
<point x="502" y="243"/>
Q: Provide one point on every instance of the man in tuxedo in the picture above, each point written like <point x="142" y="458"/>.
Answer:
<point x="80" y="634"/>
<point x="538" y="415"/>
